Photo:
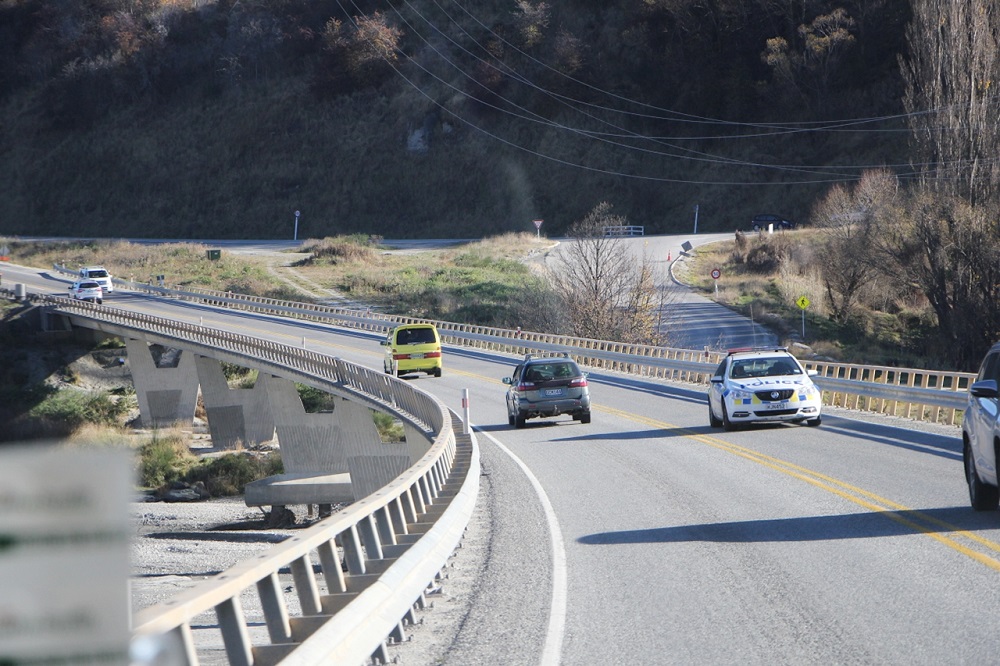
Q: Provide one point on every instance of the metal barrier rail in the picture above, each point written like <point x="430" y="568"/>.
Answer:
<point x="920" y="395"/>
<point x="624" y="230"/>
<point x="393" y="542"/>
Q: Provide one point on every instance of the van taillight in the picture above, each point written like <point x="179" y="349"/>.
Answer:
<point x="436" y="354"/>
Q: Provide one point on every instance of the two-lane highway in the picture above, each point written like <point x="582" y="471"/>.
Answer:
<point x="678" y="543"/>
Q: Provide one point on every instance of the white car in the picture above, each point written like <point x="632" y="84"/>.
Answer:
<point x="763" y="385"/>
<point x="87" y="290"/>
<point x="981" y="433"/>
<point x="100" y="275"/>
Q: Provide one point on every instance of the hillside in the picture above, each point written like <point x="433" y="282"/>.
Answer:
<point x="220" y="118"/>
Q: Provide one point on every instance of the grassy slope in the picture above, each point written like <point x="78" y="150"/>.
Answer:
<point x="869" y="336"/>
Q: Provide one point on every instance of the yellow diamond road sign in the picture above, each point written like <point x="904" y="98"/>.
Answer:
<point x="802" y="302"/>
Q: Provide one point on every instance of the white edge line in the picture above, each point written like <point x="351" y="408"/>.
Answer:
<point x="552" y="652"/>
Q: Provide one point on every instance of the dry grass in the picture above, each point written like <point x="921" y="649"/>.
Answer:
<point x="474" y="282"/>
<point x="181" y="264"/>
<point x="872" y="335"/>
<point x="483" y="282"/>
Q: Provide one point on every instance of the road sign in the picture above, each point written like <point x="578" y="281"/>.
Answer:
<point x="802" y="302"/>
<point x="716" y="273"/>
<point x="538" y="224"/>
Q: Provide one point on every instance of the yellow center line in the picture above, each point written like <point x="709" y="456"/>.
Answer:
<point x="861" y="497"/>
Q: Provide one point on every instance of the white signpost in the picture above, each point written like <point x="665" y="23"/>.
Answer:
<point x="64" y="555"/>
<point x="538" y="228"/>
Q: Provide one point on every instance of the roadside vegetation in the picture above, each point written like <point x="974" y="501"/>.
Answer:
<point x="218" y="119"/>
<point x="764" y="276"/>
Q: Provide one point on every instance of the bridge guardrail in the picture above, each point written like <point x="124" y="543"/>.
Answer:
<point x="911" y="393"/>
<point x="393" y="543"/>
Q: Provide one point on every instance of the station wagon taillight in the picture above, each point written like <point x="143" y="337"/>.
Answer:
<point x="579" y="382"/>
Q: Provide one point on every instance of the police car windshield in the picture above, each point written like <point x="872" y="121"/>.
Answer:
<point x="764" y="367"/>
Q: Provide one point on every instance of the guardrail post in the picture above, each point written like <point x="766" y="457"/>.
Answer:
<point x="234" y="632"/>
<point x="275" y="612"/>
<point x="305" y="585"/>
<point x="352" y="551"/>
<point x="333" y="573"/>
<point x="369" y="537"/>
<point x="383" y="521"/>
<point x="465" y="411"/>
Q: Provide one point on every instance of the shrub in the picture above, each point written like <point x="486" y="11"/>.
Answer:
<point x="229" y="474"/>
<point x="356" y="248"/>
<point x="74" y="408"/>
<point x="314" y="400"/>
<point x="389" y="428"/>
<point x="163" y="459"/>
<point x="767" y="255"/>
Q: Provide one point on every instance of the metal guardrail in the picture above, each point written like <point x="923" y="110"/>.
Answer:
<point x="392" y="543"/>
<point x="911" y="393"/>
<point x="624" y="230"/>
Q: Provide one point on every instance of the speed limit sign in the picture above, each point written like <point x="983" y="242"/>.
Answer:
<point x="716" y="273"/>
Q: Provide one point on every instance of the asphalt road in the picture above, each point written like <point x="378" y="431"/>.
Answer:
<point x="677" y="543"/>
<point x="687" y="320"/>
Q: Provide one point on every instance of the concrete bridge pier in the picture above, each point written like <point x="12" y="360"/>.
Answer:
<point x="166" y="386"/>
<point x="236" y="417"/>
<point x="329" y="457"/>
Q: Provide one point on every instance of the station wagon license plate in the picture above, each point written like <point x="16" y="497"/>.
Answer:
<point x="552" y="393"/>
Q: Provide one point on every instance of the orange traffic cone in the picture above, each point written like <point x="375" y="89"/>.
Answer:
<point x="668" y="255"/>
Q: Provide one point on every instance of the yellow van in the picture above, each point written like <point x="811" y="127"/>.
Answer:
<point x="413" y="348"/>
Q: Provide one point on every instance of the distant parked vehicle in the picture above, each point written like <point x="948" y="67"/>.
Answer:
<point x="87" y="290"/>
<point x="761" y="222"/>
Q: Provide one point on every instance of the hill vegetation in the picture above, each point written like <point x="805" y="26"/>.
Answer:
<point x="872" y="121"/>
<point x="220" y="118"/>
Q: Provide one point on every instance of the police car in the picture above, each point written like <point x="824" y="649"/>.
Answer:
<point x="762" y="385"/>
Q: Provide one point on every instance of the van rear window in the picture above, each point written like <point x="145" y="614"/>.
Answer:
<point x="415" y="336"/>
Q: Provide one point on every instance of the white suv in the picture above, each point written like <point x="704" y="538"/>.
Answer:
<point x="981" y="434"/>
<point x="100" y="275"/>
<point x="87" y="290"/>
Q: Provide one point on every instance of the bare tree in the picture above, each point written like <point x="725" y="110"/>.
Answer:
<point x="608" y="292"/>
<point x="531" y="21"/>
<point x="951" y="74"/>
<point x="946" y="250"/>
<point x="824" y="44"/>
<point x="361" y="54"/>
<point x="849" y="217"/>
